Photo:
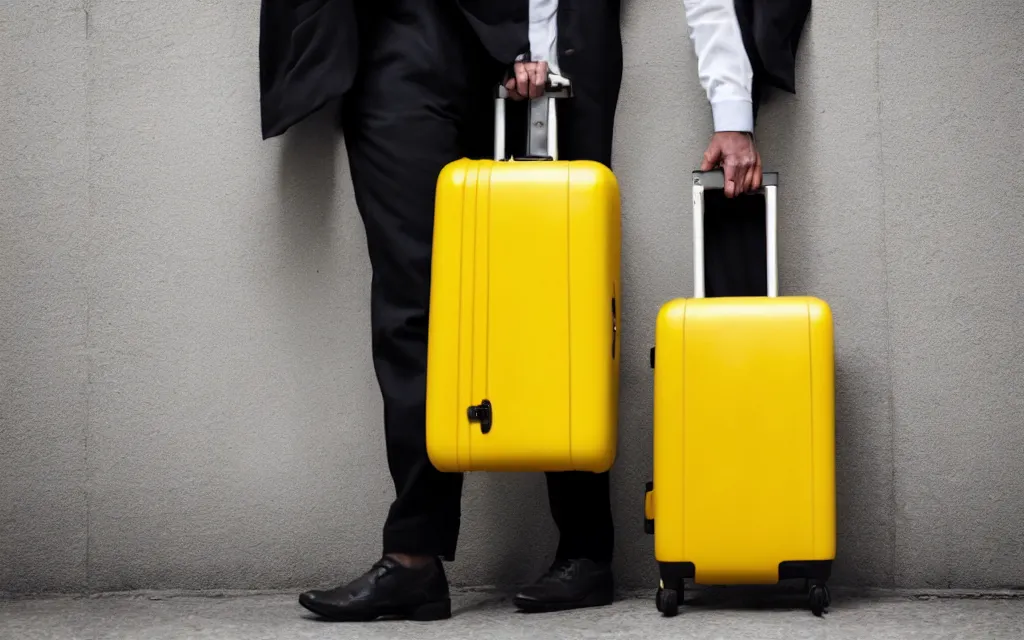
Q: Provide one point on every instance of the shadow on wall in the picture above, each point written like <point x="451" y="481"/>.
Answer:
<point x="307" y="182"/>
<point x="328" y="406"/>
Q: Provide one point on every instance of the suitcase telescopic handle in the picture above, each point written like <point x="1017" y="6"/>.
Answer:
<point x="715" y="179"/>
<point x="542" y="126"/>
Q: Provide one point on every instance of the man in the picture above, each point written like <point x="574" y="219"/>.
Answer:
<point x="415" y="81"/>
<point x="416" y="93"/>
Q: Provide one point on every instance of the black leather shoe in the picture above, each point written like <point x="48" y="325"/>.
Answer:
<point x="387" y="590"/>
<point x="569" y="584"/>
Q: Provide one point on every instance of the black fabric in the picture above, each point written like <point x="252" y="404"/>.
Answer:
<point x="581" y="508"/>
<point x="735" y="245"/>
<point x="412" y="109"/>
<point x="307" y="56"/>
<point x="309" y="49"/>
<point x="503" y="26"/>
<point x="771" y="31"/>
<point x="422" y="98"/>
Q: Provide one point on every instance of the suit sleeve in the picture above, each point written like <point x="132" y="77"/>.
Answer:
<point x="544" y="32"/>
<point x="722" y="64"/>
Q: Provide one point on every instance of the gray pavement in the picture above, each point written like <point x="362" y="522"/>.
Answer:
<point x="487" y="615"/>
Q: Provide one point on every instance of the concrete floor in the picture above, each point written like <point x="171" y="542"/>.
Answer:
<point x="484" y="615"/>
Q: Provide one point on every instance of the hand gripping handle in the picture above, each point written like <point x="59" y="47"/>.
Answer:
<point x="542" y="128"/>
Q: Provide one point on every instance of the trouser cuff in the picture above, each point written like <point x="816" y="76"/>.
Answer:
<point x="421" y="541"/>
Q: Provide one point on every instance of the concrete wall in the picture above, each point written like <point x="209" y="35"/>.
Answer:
<point x="188" y="399"/>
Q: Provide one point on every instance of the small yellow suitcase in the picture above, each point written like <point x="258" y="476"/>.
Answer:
<point x="523" y="351"/>
<point x="744" y="433"/>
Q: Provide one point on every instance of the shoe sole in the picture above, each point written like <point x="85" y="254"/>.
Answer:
<point x="430" y="612"/>
<point x="592" y="600"/>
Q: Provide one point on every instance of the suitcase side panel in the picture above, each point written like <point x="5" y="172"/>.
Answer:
<point x="594" y="311"/>
<point x="669" y="532"/>
<point x="748" y="462"/>
<point x="824" y="435"/>
<point x="450" y="324"/>
<point x="523" y="303"/>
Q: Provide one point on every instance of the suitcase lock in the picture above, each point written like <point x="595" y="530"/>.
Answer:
<point x="481" y="413"/>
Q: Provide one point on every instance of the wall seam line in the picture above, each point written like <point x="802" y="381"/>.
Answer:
<point x="89" y="361"/>
<point x="890" y="364"/>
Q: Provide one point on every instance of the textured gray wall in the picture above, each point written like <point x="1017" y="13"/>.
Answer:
<point x="188" y="400"/>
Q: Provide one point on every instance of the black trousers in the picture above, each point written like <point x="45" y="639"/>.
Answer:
<point x="423" y="97"/>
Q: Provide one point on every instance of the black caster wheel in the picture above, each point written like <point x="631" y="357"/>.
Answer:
<point x="667" y="601"/>
<point x="819" y="599"/>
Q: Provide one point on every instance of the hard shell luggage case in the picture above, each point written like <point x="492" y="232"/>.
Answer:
<point x="523" y="352"/>
<point x="744" y="433"/>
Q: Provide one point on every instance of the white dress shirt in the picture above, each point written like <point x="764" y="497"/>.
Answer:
<point x="544" y="33"/>
<point x="722" y="63"/>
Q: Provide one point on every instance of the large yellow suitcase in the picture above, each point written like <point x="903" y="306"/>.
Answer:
<point x="523" y="352"/>
<point x="744" y="434"/>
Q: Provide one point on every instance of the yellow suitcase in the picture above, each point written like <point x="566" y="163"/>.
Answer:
<point x="744" y="434"/>
<point x="523" y="351"/>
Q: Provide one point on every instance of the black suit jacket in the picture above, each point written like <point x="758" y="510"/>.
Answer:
<point x="771" y="34"/>
<point x="309" y="49"/>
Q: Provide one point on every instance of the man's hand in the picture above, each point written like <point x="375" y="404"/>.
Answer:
<point x="529" y="81"/>
<point x="735" y="153"/>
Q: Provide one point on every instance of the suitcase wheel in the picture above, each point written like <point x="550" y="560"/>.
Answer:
<point x="667" y="601"/>
<point x="819" y="598"/>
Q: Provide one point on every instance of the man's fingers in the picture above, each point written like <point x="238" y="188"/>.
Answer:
<point x="735" y="153"/>
<point x="734" y="176"/>
<point x="522" y="79"/>
<point x="513" y="94"/>
<point x="712" y="156"/>
<point x="529" y="80"/>
<point x="748" y="179"/>
<point x="753" y="179"/>
<point x="539" y="78"/>
<point x="511" y="84"/>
